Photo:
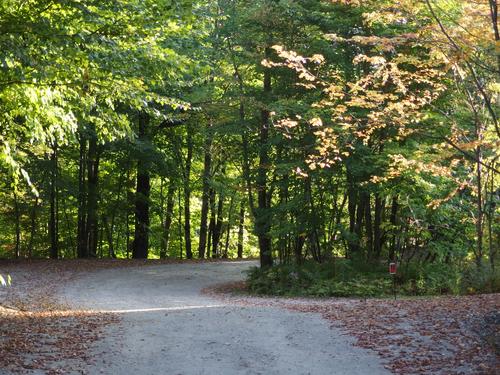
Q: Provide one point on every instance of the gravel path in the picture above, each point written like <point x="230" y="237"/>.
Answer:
<point x="169" y="327"/>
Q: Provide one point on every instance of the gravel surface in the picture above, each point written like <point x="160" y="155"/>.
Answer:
<point x="169" y="327"/>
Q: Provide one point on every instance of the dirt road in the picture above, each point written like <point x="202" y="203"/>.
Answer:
<point x="169" y="327"/>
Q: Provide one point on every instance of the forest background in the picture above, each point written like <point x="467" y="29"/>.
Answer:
<point x="328" y="137"/>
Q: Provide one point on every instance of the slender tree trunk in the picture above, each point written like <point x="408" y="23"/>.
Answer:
<point x="217" y="232"/>
<point x="32" y="227"/>
<point x="358" y="227"/>
<point x="479" y="208"/>
<point x="168" y="220"/>
<point x="82" y="199"/>
<point x="351" y="208"/>
<point x="368" y="225"/>
<point x="180" y="223"/>
<point x="187" y="194"/>
<point x="392" y="220"/>
<point x="263" y="214"/>
<point x="17" y="215"/>
<point x="493" y="244"/>
<point x="229" y="218"/>
<point x="377" y="231"/>
<point x="241" y="229"/>
<point x="54" y="240"/>
<point x="211" y="225"/>
<point x="205" y="198"/>
<point x="140" y="245"/>
<point x="92" y="196"/>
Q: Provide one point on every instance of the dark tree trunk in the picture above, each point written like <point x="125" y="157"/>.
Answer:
<point x="187" y="194"/>
<point x="358" y="226"/>
<point x="92" y="196"/>
<point x="211" y="225"/>
<point x="217" y="232"/>
<point x="140" y="244"/>
<point x="228" y="233"/>
<point x="17" y="215"/>
<point x="262" y="214"/>
<point x="168" y="220"/>
<point x="32" y="227"/>
<point x="368" y="225"/>
<point x="392" y="220"/>
<point x="82" y="199"/>
<point x="377" y="231"/>
<point x="53" y="232"/>
<point x="351" y="208"/>
<point x="205" y="198"/>
<point x="179" y="220"/>
<point x="241" y="229"/>
<point x="479" y="201"/>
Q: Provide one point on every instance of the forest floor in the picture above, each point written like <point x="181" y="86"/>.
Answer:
<point x="128" y="317"/>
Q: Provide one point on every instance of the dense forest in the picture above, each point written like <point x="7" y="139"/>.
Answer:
<point x="291" y="130"/>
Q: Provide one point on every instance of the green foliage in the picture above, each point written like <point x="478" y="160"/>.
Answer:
<point x="347" y="278"/>
<point x="480" y="280"/>
<point x="344" y="278"/>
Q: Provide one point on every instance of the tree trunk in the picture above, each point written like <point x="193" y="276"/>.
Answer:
<point x="211" y="225"/>
<point x="82" y="199"/>
<point x="377" y="231"/>
<point x="53" y="232"/>
<point x="168" y="220"/>
<point x="205" y="198"/>
<point x="479" y="201"/>
<point x="262" y="214"/>
<point x="32" y="228"/>
<point x="351" y="208"/>
<point x="187" y="194"/>
<point x="179" y="220"/>
<point x="17" y="215"/>
<point x="368" y="225"/>
<point x="217" y="231"/>
<point x="241" y="229"/>
<point x="228" y="233"/>
<point x="92" y="195"/>
<point x="392" y="220"/>
<point x="140" y="244"/>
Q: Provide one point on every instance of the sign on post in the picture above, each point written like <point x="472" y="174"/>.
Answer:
<point x="392" y="268"/>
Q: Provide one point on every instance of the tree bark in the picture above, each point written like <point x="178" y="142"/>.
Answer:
<point x="53" y="232"/>
<point x="228" y="233"/>
<point x="263" y="214"/>
<point x="168" y="220"/>
<point x="241" y="229"/>
<point x="82" y="198"/>
<point x="205" y="198"/>
<point x="32" y="227"/>
<point x="368" y="225"/>
<point x="17" y="215"/>
<point x="140" y="244"/>
<point x="217" y="231"/>
<point x="187" y="194"/>
<point x="92" y="195"/>
<point x="351" y="208"/>
<point x="377" y="231"/>
<point x="392" y="220"/>
<point x="211" y="225"/>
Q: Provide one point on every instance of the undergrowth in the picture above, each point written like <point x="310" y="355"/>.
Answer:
<point x="347" y="278"/>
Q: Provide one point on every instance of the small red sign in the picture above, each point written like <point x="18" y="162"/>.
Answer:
<point x="392" y="268"/>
